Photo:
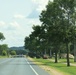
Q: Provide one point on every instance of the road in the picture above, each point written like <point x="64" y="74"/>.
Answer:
<point x="19" y="66"/>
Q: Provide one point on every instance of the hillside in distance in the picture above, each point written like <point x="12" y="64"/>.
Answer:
<point x="17" y="48"/>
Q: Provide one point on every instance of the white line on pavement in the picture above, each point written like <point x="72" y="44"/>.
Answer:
<point x="32" y="68"/>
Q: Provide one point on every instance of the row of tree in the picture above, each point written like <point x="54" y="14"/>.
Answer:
<point x="17" y="52"/>
<point x="57" y="31"/>
<point x="5" y="51"/>
<point x="4" y="47"/>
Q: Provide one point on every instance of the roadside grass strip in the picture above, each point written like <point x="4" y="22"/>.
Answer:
<point x="59" y="66"/>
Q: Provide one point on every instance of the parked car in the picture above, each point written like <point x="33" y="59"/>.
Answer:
<point x="45" y="57"/>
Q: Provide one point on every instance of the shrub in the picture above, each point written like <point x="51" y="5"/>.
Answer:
<point x="4" y="52"/>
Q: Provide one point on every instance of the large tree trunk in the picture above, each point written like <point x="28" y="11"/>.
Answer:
<point x="56" y="58"/>
<point x="50" y="53"/>
<point x="67" y="47"/>
<point x="60" y="54"/>
<point x="56" y="61"/>
<point x="45" y="52"/>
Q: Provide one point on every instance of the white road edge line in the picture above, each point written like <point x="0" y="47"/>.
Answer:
<point x="32" y="68"/>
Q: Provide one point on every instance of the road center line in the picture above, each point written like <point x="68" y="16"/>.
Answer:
<point x="32" y="68"/>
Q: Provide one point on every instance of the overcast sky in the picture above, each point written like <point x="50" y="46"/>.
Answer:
<point x="17" y="18"/>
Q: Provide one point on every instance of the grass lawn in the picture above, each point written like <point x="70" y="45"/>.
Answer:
<point x="59" y="66"/>
<point x="3" y="56"/>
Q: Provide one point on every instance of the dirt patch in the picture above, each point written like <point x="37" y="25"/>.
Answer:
<point x="52" y="71"/>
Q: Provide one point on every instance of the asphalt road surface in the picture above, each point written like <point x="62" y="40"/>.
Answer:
<point x="19" y="66"/>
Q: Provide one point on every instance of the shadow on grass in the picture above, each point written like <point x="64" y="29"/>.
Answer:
<point x="50" y="63"/>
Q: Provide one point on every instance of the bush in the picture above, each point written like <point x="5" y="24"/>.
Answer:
<point x="38" y="56"/>
<point x="13" y="53"/>
<point x="4" y="52"/>
<point x="31" y="54"/>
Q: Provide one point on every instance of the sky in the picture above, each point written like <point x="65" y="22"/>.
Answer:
<point x="17" y="18"/>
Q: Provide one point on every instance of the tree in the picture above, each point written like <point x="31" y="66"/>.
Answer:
<point x="35" y="41"/>
<point x="57" y="28"/>
<point x="1" y="36"/>
<point x="68" y="7"/>
<point x="4" y="53"/>
<point x="27" y="42"/>
<point x="58" y="19"/>
<point x="3" y="47"/>
<point x="13" y="52"/>
<point x="51" y="21"/>
<point x="39" y="35"/>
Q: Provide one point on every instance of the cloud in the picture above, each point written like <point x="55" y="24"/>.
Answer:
<point x="34" y="22"/>
<point x="3" y="26"/>
<point x="19" y="16"/>
<point x="13" y="37"/>
<point x="15" y="24"/>
<point x="9" y="26"/>
<point x="34" y="14"/>
<point x="2" y="23"/>
<point x="41" y="4"/>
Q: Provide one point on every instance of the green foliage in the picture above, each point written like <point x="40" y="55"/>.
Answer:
<point x="3" y="47"/>
<point x="4" y="53"/>
<point x="2" y="36"/>
<point x="13" y="52"/>
<point x="57" y="30"/>
<point x="58" y="18"/>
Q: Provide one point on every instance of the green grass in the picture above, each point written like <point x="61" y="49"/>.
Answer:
<point x="59" y="66"/>
<point x="3" y="56"/>
<point x="65" y="60"/>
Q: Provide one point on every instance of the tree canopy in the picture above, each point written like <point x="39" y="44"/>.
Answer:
<point x="1" y="36"/>
<point x="57" y="28"/>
